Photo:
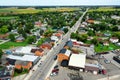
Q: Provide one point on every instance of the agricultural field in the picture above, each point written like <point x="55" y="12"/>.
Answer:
<point x="104" y="9"/>
<point x="33" y="10"/>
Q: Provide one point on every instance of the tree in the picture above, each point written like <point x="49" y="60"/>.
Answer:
<point x="31" y="39"/>
<point x="65" y="30"/>
<point x="12" y="37"/>
<point x="1" y="53"/>
<point x="4" y="29"/>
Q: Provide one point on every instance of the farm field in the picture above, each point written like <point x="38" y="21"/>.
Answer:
<point x="104" y="9"/>
<point x="33" y="10"/>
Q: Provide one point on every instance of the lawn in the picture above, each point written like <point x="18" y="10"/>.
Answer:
<point x="20" y="73"/>
<point x="102" y="48"/>
<point x="8" y="45"/>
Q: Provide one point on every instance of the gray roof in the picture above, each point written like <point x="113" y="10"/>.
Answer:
<point x="69" y="44"/>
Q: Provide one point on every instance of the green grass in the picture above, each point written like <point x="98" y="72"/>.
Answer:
<point x="18" y="74"/>
<point x="101" y="48"/>
<point x="8" y="45"/>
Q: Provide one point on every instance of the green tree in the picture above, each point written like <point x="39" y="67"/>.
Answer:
<point x="31" y="39"/>
<point x="4" y="29"/>
<point x="1" y="53"/>
<point x="12" y="37"/>
<point x="65" y="30"/>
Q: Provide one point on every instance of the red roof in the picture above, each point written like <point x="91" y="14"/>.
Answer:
<point x="46" y="45"/>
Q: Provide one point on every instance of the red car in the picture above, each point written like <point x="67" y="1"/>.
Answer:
<point x="104" y="72"/>
<point x="55" y="70"/>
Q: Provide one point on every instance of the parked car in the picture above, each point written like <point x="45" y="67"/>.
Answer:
<point x="55" y="67"/>
<point x="55" y="70"/>
<point x="104" y="72"/>
<point x="55" y="57"/>
<point x="107" y="61"/>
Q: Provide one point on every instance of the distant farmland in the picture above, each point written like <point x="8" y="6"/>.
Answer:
<point x="32" y="10"/>
<point x="104" y="9"/>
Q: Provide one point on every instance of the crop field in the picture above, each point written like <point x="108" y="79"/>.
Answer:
<point x="104" y="9"/>
<point x="33" y="10"/>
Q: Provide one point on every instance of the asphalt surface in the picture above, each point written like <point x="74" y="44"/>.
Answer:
<point x="41" y="72"/>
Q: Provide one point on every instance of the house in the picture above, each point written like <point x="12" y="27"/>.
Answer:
<point x="31" y="58"/>
<point x="77" y="60"/>
<point x="24" y="50"/>
<point x="60" y="31"/>
<point x="20" y="39"/>
<point x="5" y="75"/>
<point x="23" y="64"/>
<point x="90" y="21"/>
<point x="55" y="38"/>
<point x="69" y="44"/>
<point x="38" y="52"/>
<point x="46" y="46"/>
<point x="114" y="39"/>
<point x="37" y="24"/>
<point x="64" y="54"/>
<point x="106" y="43"/>
<point x="3" y="36"/>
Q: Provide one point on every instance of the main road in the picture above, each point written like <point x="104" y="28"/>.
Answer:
<point x="42" y="71"/>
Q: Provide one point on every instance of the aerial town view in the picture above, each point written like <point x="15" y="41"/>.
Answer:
<point x="59" y="40"/>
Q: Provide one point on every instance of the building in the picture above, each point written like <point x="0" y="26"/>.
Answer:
<point x="37" y="24"/>
<point x="55" y="38"/>
<point x="46" y="46"/>
<point x="23" y="64"/>
<point x="38" y="52"/>
<point x="68" y="44"/>
<point x="90" y="21"/>
<point x="5" y="74"/>
<point x="4" y="36"/>
<point x="20" y="39"/>
<point x="24" y="50"/>
<point x="114" y="39"/>
<point x="77" y="60"/>
<point x="106" y="43"/>
<point x="117" y="58"/>
<point x="64" y="54"/>
<point x="30" y="58"/>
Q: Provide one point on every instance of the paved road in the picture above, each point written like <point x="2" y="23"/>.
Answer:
<point x="41" y="72"/>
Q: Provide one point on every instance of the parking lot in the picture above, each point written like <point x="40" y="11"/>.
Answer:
<point x="68" y="74"/>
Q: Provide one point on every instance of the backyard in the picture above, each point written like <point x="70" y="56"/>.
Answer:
<point x="8" y="45"/>
<point x="102" y="48"/>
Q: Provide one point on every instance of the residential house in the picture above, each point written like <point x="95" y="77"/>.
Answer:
<point x="46" y="46"/>
<point x="55" y="38"/>
<point x="4" y="36"/>
<point x="64" y="54"/>
<point x="23" y="64"/>
<point x="68" y="45"/>
<point x="37" y="24"/>
<point x="114" y="39"/>
<point x="90" y="21"/>
<point x="38" y="52"/>
<point x="106" y="43"/>
<point x="20" y="39"/>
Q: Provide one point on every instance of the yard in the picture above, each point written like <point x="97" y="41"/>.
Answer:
<point x="102" y="48"/>
<point x="12" y="44"/>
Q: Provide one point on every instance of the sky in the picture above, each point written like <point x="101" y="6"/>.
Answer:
<point x="57" y="2"/>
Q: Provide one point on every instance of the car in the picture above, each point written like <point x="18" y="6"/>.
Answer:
<point x="55" y="70"/>
<point x="55" y="57"/>
<point x="104" y="72"/>
<point x="55" y="67"/>
<point x="107" y="61"/>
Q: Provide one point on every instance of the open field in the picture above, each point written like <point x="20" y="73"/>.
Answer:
<point x="12" y="44"/>
<point x="33" y="10"/>
<point x="104" y="9"/>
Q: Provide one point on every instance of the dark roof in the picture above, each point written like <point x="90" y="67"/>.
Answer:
<point x="69" y="44"/>
<point x="4" y="74"/>
<point x="62" y="51"/>
<point x="34" y="50"/>
<point x="11" y="61"/>
<point x="64" y="63"/>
